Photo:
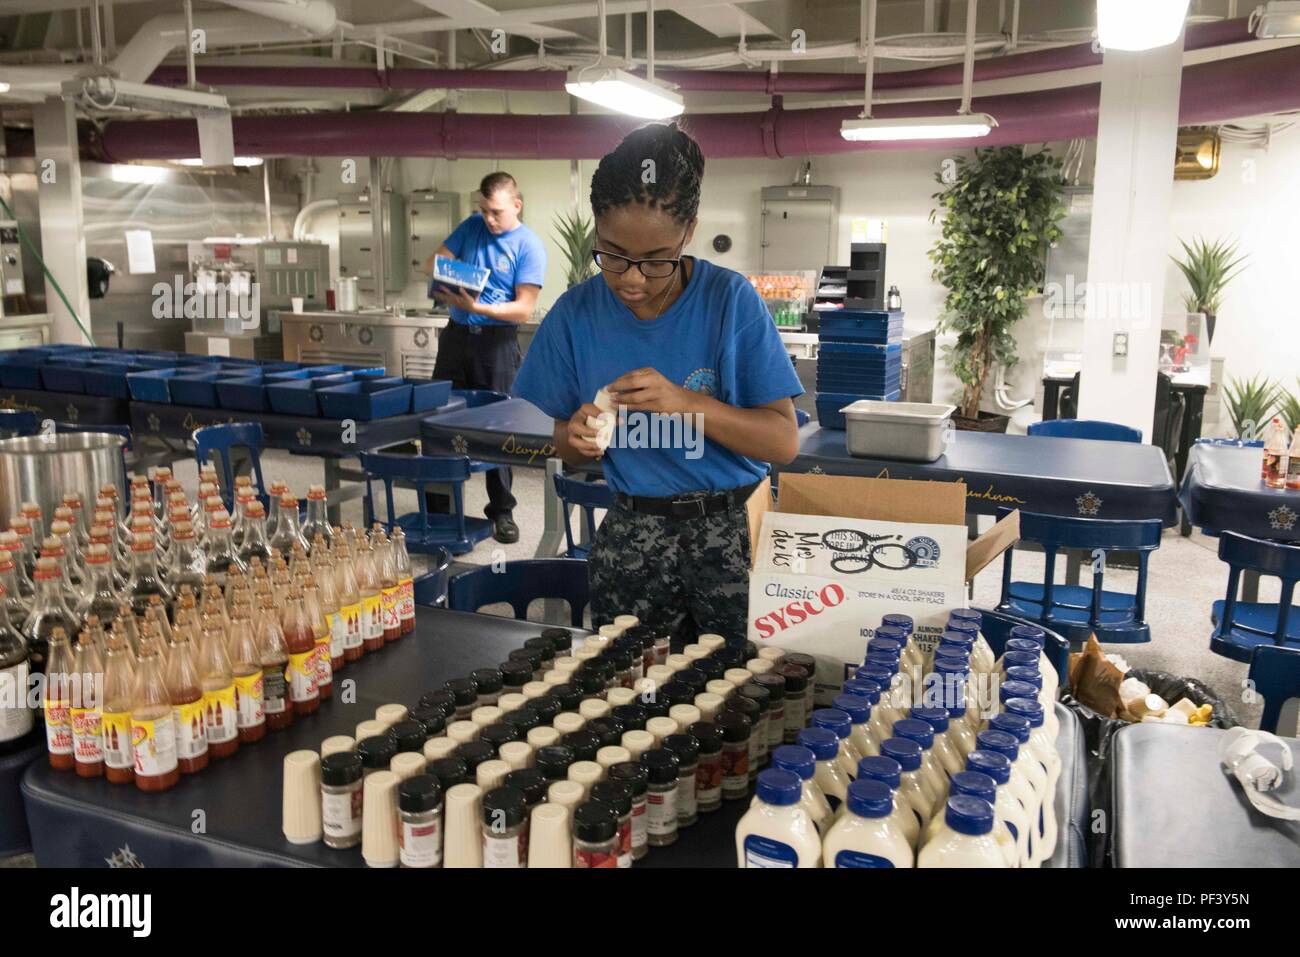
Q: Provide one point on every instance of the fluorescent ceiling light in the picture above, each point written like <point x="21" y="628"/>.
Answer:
<point x="954" y="126"/>
<point x="1139" y="24"/>
<point x="1278" y="18"/>
<point x="622" y="92"/>
<point x="138" y="174"/>
<point x="239" y="161"/>
<point x="4" y="87"/>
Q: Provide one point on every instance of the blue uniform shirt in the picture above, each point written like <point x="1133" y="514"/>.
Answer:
<point x="717" y="338"/>
<point x="516" y="258"/>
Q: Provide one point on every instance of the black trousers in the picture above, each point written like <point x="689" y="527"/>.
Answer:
<point x="480" y="357"/>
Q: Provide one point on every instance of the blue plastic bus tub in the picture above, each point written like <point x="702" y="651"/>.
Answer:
<point x="829" y="405"/>
<point x="64" y="373"/>
<point x="860" y="325"/>
<point x="151" y="386"/>
<point x="245" y="393"/>
<point x="298" y="396"/>
<point x="365" y="400"/>
<point x="108" y="379"/>
<point x="21" y="370"/>
<point x="196" y="388"/>
<point x="429" y="394"/>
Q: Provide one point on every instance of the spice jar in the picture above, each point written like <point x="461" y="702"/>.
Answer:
<point x="774" y="684"/>
<point x="547" y="648"/>
<point x="709" y="704"/>
<point x="721" y="687"/>
<point x="685" y="714"/>
<point x="443" y="700"/>
<point x="463" y="732"/>
<point x="511" y="701"/>
<point x="561" y="639"/>
<point x="712" y="642"/>
<point x="708" y="768"/>
<point x="621" y="697"/>
<point x="590" y="683"/>
<point x="584" y="745"/>
<point x="534" y="658"/>
<point x="661" y="646"/>
<point x="432" y="718"/>
<point x="585" y="773"/>
<point x="376" y="753"/>
<point x="531" y="782"/>
<point x="465" y="694"/>
<point x="621" y="659"/>
<point x="754" y="708"/>
<point x="438" y="748"/>
<point x="661" y="767"/>
<point x="498" y="734"/>
<point x="408" y="735"/>
<point x="553" y="761"/>
<point x="419" y="807"/>
<point x="606" y="731"/>
<point x="568" y="722"/>
<point x="635" y="777"/>
<point x="712" y="668"/>
<point x="687" y="750"/>
<point x="543" y="737"/>
<point x="736" y="728"/>
<point x="473" y="754"/>
<point x="797" y="682"/>
<point x="567" y="695"/>
<point x="661" y="728"/>
<point x="546" y="707"/>
<point x="505" y="828"/>
<point x="617" y="795"/>
<point x="737" y="676"/>
<point x="595" y="836"/>
<point x="809" y="664"/>
<point x="677" y="662"/>
<point x="633" y="716"/>
<point x="593" y="708"/>
<point x="536" y="689"/>
<point x="341" y="774"/>
<point x="637" y="742"/>
<point x="449" y="772"/>
<point x="515" y="674"/>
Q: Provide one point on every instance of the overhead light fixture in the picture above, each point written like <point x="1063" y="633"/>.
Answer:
<point x="606" y="84"/>
<point x="4" y="87"/>
<point x="1196" y="154"/>
<point x="960" y="125"/>
<point x="239" y="161"/>
<point x="956" y="126"/>
<point x="1126" y="25"/>
<point x="123" y="173"/>
<point x="109" y="93"/>
<point x="1276" y="19"/>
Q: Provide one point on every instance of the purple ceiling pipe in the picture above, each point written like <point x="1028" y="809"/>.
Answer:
<point x="1199" y="36"/>
<point x="1211" y="92"/>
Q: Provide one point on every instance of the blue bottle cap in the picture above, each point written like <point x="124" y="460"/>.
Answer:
<point x="1031" y="709"/>
<point x="966" y="614"/>
<point x="965" y="627"/>
<point x="1021" y="659"/>
<point x="951" y="666"/>
<point x="906" y="752"/>
<point x="796" y="759"/>
<point x="968" y="815"/>
<point x="995" y="765"/>
<point x="998" y="741"/>
<point x="1030" y="632"/>
<point x="887" y="645"/>
<point x="936" y="718"/>
<point x="892" y="632"/>
<point x="832" y="719"/>
<point x="1016" y="689"/>
<point x="857" y="708"/>
<point x="946" y="649"/>
<point x="957" y="637"/>
<point x="880" y="767"/>
<point x="1023" y="644"/>
<point x="862" y="688"/>
<point x="869" y="798"/>
<point x="976" y="784"/>
<point x="779" y="787"/>
<point x="1013" y="724"/>
<point x="1028" y="675"/>
<point x="945" y="688"/>
<point x="881" y="676"/>
<point x="914" y="730"/>
<point x="886" y="659"/>
<point x="902" y="622"/>
<point x="822" y="743"/>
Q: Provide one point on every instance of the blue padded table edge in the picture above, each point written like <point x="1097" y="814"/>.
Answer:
<point x="1221" y="491"/>
<point x="72" y="407"/>
<point x="510" y="432"/>
<point x="1121" y="480"/>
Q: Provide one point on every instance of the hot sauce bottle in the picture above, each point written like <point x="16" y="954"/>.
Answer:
<point x="372" y="612"/>
<point x="300" y="641"/>
<point x="86" y="711"/>
<point x="405" y="582"/>
<point x="389" y="595"/>
<point x="57" y="700"/>
<point x="119" y="680"/>
<point x="345" y="584"/>
<point x="329" y="603"/>
<point x="247" y="668"/>
<point x="153" y="731"/>
<point x="186" y="695"/>
<point x="320" y="628"/>
<point x="217" y="680"/>
<point x="275" y="659"/>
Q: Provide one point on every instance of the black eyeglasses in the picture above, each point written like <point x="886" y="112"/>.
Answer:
<point x="650" y="268"/>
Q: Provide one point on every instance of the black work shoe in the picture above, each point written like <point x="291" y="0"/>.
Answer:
<point x="505" y="531"/>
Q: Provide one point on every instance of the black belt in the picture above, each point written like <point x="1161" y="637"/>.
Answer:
<point x="696" y="505"/>
<point x="482" y="330"/>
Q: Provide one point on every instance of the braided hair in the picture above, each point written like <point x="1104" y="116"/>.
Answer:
<point x="658" y="165"/>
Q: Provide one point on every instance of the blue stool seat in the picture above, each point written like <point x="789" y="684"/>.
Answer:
<point x="1070" y="614"/>
<point x="1240" y="644"/>
<point x="1275" y="673"/>
<point x="1242" y="627"/>
<point x="426" y="532"/>
<point x="446" y="529"/>
<point x="1085" y="429"/>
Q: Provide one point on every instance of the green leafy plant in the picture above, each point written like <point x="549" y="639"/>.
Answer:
<point x="1208" y="268"/>
<point x="1000" y="210"/>
<point x="1252" y="403"/>
<point x="1290" y="408"/>
<point x="577" y="238"/>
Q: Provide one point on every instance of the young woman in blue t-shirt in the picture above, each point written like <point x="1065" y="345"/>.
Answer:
<point x="690" y="356"/>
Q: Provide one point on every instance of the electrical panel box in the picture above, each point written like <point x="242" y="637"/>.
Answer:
<point x="356" y="241"/>
<point x="11" y="260"/>
<point x="800" y="227"/>
<point x="432" y="217"/>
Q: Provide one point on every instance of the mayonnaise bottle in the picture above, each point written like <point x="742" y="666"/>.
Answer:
<point x="1011" y="690"/>
<point x="777" y="832"/>
<point x="800" y="762"/>
<point x="1043" y="748"/>
<point x="1006" y="807"/>
<point x="865" y="834"/>
<point x="900" y="628"/>
<point x="970" y="620"/>
<point x="1023" y="658"/>
<point x="839" y="724"/>
<point x="950" y="760"/>
<point x="1036" y="635"/>
<point x="877" y="730"/>
<point x="967" y="838"/>
<point x="1006" y="745"/>
<point x="834" y="783"/>
<point x="956" y="681"/>
<point x="887" y="771"/>
<point x="859" y="711"/>
<point x="891" y="693"/>
<point x="1030" y="676"/>
<point x="1036" y="772"/>
<point x="979" y="785"/>
<point x="932" y="775"/>
<point x="910" y="786"/>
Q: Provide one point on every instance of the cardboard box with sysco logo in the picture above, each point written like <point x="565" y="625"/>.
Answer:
<point x="838" y="552"/>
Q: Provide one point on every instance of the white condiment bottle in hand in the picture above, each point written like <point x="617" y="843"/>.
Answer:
<point x="1006" y="806"/>
<point x="832" y="781"/>
<point x="778" y="833"/>
<point x="887" y="771"/>
<point x="866" y="835"/>
<point x="967" y="839"/>
<point x="800" y="762"/>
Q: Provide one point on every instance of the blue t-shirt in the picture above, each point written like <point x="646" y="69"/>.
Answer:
<point x="516" y="258"/>
<point x="717" y="338"/>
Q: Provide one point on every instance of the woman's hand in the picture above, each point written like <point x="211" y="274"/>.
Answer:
<point x="646" y="390"/>
<point x="458" y="298"/>
<point x="582" y="436"/>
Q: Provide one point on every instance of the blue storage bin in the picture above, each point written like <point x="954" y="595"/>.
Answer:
<point x="857" y="385"/>
<point x="22" y="370"/>
<point x="298" y="396"/>
<point x="860" y="351"/>
<point x="860" y="325"/>
<point x="364" y="400"/>
<point x="197" y="388"/>
<point x="371" y="373"/>
<point x="108" y="379"/>
<point x="246" y="393"/>
<point x="829" y="404"/>
<point x="64" y="373"/>
<point x="429" y="394"/>
<point x="151" y="386"/>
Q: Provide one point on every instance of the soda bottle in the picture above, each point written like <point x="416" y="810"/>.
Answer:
<point x="86" y="712"/>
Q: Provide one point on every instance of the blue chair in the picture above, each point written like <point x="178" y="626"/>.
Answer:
<point x="521" y="583"/>
<point x="225" y="439"/>
<point x="1085" y="429"/>
<point x="1275" y="674"/>
<point x="426" y="531"/>
<point x="1078" y="611"/>
<point x="123" y="431"/>
<point x="19" y="422"/>
<point x="1241" y="627"/>
<point x="588" y="496"/>
<point x="431" y="587"/>
<point x="996" y="629"/>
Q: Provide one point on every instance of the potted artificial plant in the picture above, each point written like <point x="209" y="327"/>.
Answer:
<point x="577" y="238"/>
<point x="1252" y="403"/>
<point x="1208" y="268"/>
<point x="1000" y="212"/>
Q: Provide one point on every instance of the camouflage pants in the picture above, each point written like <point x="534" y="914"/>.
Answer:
<point x="688" y="576"/>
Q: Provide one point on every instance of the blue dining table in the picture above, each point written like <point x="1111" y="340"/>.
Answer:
<point x="1223" y="492"/>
